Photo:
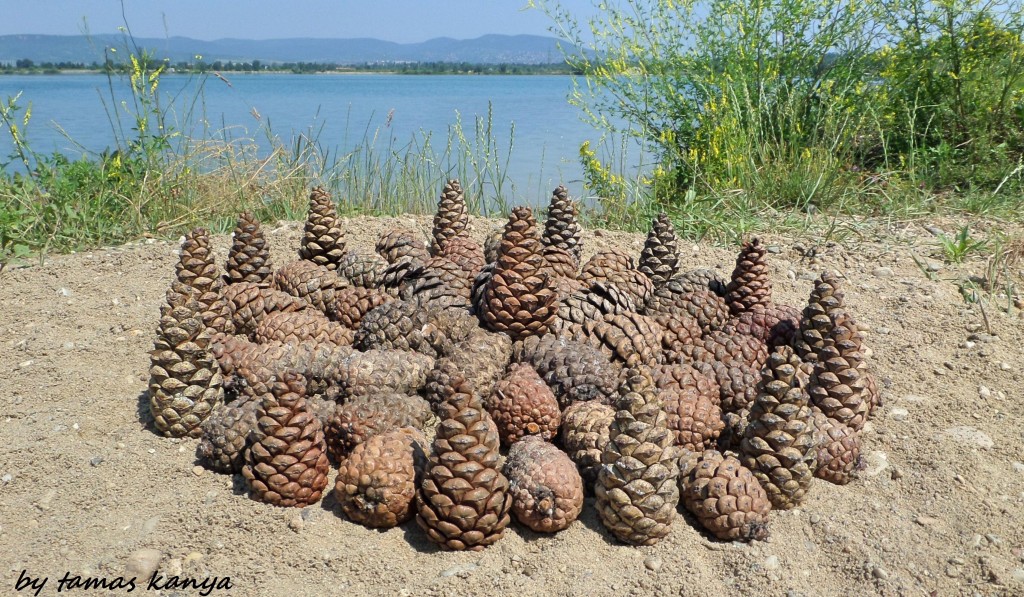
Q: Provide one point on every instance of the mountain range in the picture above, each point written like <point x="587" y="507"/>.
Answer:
<point x="487" y="49"/>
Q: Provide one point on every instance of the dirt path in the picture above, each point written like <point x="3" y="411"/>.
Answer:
<point x="938" y="510"/>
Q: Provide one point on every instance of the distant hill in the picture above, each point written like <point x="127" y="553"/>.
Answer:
<point x="488" y="49"/>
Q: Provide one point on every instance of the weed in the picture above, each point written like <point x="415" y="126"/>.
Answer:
<point x="957" y="248"/>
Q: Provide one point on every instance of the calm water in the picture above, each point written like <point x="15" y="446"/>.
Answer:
<point x="341" y="109"/>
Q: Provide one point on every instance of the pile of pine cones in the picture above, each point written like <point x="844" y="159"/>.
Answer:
<point x="413" y="369"/>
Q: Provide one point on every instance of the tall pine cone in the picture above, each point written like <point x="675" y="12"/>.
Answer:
<point x="750" y="288"/>
<point x="287" y="464"/>
<point x="451" y="218"/>
<point x="546" y="490"/>
<point x="839" y="385"/>
<point x="659" y="259"/>
<point x="197" y="270"/>
<point x="826" y="301"/>
<point x="838" y="449"/>
<point x="463" y="501"/>
<point x="376" y="484"/>
<point x="323" y="241"/>
<point x="561" y="229"/>
<point x="249" y="256"/>
<point x="636" y="487"/>
<point x="724" y="496"/>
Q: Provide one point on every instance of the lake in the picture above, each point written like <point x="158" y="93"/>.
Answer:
<point x="340" y="111"/>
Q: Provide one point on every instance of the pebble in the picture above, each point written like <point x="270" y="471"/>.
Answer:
<point x="773" y="249"/>
<point x="7" y="478"/>
<point x="461" y="569"/>
<point x="939" y="372"/>
<point x="296" y="524"/>
<point x="653" y="563"/>
<point x="976" y="541"/>
<point x="926" y="521"/>
<point x="96" y="460"/>
<point x="968" y="345"/>
<point x="952" y="571"/>
<point x="198" y="470"/>
<point x="880" y="573"/>
<point x="898" y="414"/>
<point x="1018" y="575"/>
<point x="143" y="563"/>
<point x="874" y="463"/>
<point x="882" y="272"/>
<point x="1017" y="466"/>
<point x="815" y="518"/>
<point x="896" y="474"/>
<point x="771" y="563"/>
<point x="1005" y="366"/>
<point x="63" y="292"/>
<point x="984" y="392"/>
<point x="982" y="337"/>
<point x="970" y="435"/>
<point x="994" y="539"/>
<point x="884" y="331"/>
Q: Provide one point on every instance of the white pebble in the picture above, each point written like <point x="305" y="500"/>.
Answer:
<point x="984" y="392"/>
<point x="971" y="435"/>
<point x="898" y="414"/>
<point x="143" y="563"/>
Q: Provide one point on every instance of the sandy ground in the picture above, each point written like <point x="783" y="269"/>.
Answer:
<point x="85" y="483"/>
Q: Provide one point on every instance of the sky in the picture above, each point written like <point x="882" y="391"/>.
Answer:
<point x="402" y="21"/>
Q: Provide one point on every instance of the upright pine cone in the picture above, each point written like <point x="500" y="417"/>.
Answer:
<point x="197" y="270"/>
<point x="825" y="301"/>
<point x="547" y="492"/>
<point x="696" y="420"/>
<point x="249" y="256"/>
<point x="323" y="240"/>
<point x="839" y="385"/>
<point x="519" y="299"/>
<point x="838" y="449"/>
<point x="778" y="445"/>
<point x="463" y="502"/>
<point x="584" y="435"/>
<point x="562" y="229"/>
<point x="659" y="259"/>
<point x="451" y="218"/>
<point x="287" y="465"/>
<point x="750" y="288"/>
<point x="724" y="496"/>
<point x="185" y="384"/>
<point x="636" y="487"/>
<point x="522" y="404"/>
<point x="376" y="484"/>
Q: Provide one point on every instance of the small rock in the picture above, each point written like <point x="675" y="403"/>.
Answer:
<point x="192" y="557"/>
<point x="1017" y="466"/>
<point x="896" y="474"/>
<point x="970" y="435"/>
<point x="952" y="571"/>
<point x="63" y="292"/>
<point x="173" y="567"/>
<point x="926" y="521"/>
<point x="976" y="541"/>
<point x="68" y="346"/>
<point x="462" y="569"/>
<point x="874" y="463"/>
<point x="1005" y="366"/>
<point x="771" y="563"/>
<point x="939" y="372"/>
<point x="653" y="563"/>
<point x="773" y="249"/>
<point x="597" y="232"/>
<point x="95" y="460"/>
<point x="198" y="470"/>
<point x="815" y="518"/>
<point x="150" y="525"/>
<point x="994" y="539"/>
<point x="882" y="272"/>
<point x="982" y="337"/>
<point x="296" y="523"/>
<point x="1018" y="575"/>
<point x="880" y="573"/>
<point x="968" y="345"/>
<point x="884" y="331"/>
<point x="143" y="563"/>
<point x="984" y="392"/>
<point x="898" y="414"/>
<point x="934" y="266"/>
<point x="7" y="478"/>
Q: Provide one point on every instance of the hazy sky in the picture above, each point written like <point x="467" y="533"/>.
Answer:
<point x="393" y="20"/>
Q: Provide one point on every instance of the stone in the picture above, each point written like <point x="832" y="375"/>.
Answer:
<point x="653" y="563"/>
<point x="882" y="272"/>
<point x="971" y="436"/>
<point x="874" y="463"/>
<point x="143" y="563"/>
<point x="898" y="414"/>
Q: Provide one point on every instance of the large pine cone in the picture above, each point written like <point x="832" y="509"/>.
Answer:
<point x="839" y="385"/>
<point x="323" y="241"/>
<point x="398" y="243"/>
<point x="376" y="484"/>
<point x="697" y="377"/>
<point x="659" y="259"/>
<point x="591" y="304"/>
<point x="463" y="502"/>
<point x="636" y="487"/>
<point x="405" y="325"/>
<point x="287" y="464"/>
<point x="737" y="380"/>
<point x="546" y="490"/>
<point x="361" y="270"/>
<point x="466" y="253"/>
<point x="226" y="435"/>
<point x="185" y="383"/>
<point x="196" y="269"/>
<point x="351" y="304"/>
<point x="249" y="256"/>
<point x="366" y="416"/>
<point x="750" y="288"/>
<point x="451" y="218"/>
<point x="574" y="371"/>
<point x="518" y="298"/>
<point x="724" y="496"/>
<point x="312" y="283"/>
<point x="373" y="371"/>
<point x="307" y="325"/>
<point x="440" y="283"/>
<point x="825" y="302"/>
<point x="705" y="306"/>
<point x="778" y="446"/>
<point x="629" y="338"/>
<point x="561" y="229"/>
<point x="679" y="329"/>
<point x="481" y="360"/>
<point x="249" y="304"/>
<point x="522" y="404"/>
<point x="838" y="449"/>
<point x="584" y="435"/>
<point x="615" y="267"/>
<point x="695" y="419"/>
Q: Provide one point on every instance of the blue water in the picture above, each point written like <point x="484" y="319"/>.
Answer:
<point x="71" y="114"/>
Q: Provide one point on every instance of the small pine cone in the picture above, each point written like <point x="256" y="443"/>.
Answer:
<point x="361" y="270"/>
<point x="522" y="404"/>
<point x="466" y="253"/>
<point x="363" y="417"/>
<point x="698" y="279"/>
<point x="352" y="303"/>
<point x="249" y="304"/>
<point x="546" y="489"/>
<point x="376" y="483"/>
<point x="839" y="385"/>
<point x="695" y="419"/>
<point x="630" y="338"/>
<point x="724" y="496"/>
<point x="463" y="501"/>
<point x="451" y="218"/>
<point x="226" y="435"/>
<point x="574" y="371"/>
<point x="636" y="488"/>
<point x="196" y="266"/>
<point x="307" y="325"/>
<point x="778" y="446"/>
<point x="519" y="298"/>
<point x="826" y="301"/>
<point x="688" y="376"/>
<point x="562" y="229"/>
<point x="584" y="435"/>
<point x="397" y="243"/>
<point x="706" y="307"/>
<point x="287" y="465"/>
<point x="323" y="241"/>
<point x="310" y="282"/>
<point x="185" y="383"/>
<point x="659" y="259"/>
<point x="492" y="243"/>
<point x="838" y="449"/>
<point x="560" y="263"/>
<point x="249" y="257"/>
<point x="750" y="288"/>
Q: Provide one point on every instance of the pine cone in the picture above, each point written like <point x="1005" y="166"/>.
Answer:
<point x="698" y="279"/>
<point x="397" y="243"/>
<point x="351" y="304"/>
<point x="249" y="257"/>
<point x="492" y="243"/>
<point x="724" y="496"/>
<point x="185" y="383"/>
<point x="546" y="490"/>
<point x="574" y="371"/>
<point x="323" y="241"/>
<point x="249" y="304"/>
<point x="451" y="218"/>
<point x="561" y="229"/>
<point x="736" y="348"/>
<point x="689" y="376"/>
<point x="466" y="253"/>
<point x="679" y="329"/>
<point x="366" y="416"/>
<point x="522" y="404"/>
<point x="561" y="264"/>
<point x="361" y="270"/>
<point x="774" y="326"/>
<point x="629" y="338"/>
<point x="750" y="288"/>
<point x="584" y="435"/>
<point x="438" y="283"/>
<point x="377" y="371"/>
<point x="659" y="259"/>
<point x="376" y="484"/>
<point x="826" y="300"/>
<point x="695" y="419"/>
<point x="404" y="325"/>
<point x="463" y="502"/>
<point x="519" y="299"/>
<point x="839" y="385"/>
<point x="778" y="446"/>
<point x="481" y="360"/>
<point x="636" y="487"/>
<point x="226" y="435"/>
<point x="286" y="465"/>
<point x="838" y="449"/>
<point x="310" y="282"/>
<point x="592" y="304"/>
<point x="615" y="267"/>
<point x="307" y="325"/>
<point x="196" y="267"/>
<point x="705" y="306"/>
